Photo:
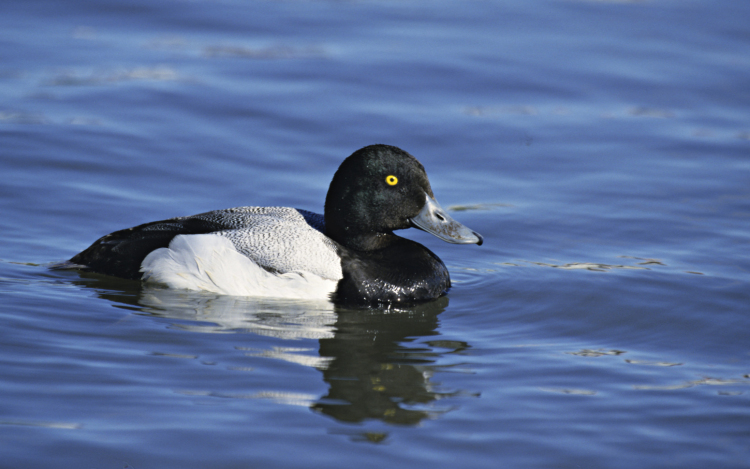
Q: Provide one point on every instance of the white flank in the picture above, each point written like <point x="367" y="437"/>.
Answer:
<point x="211" y="263"/>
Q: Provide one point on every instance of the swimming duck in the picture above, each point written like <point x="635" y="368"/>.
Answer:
<point x="348" y="255"/>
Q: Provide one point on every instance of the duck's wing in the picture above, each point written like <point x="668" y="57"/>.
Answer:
<point x="285" y="240"/>
<point x="122" y="252"/>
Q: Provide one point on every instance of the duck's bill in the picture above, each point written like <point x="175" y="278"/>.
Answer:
<point x="434" y="220"/>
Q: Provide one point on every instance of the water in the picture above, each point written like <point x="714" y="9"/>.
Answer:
<point x="601" y="148"/>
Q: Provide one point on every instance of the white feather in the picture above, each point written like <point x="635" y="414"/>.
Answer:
<point x="211" y="262"/>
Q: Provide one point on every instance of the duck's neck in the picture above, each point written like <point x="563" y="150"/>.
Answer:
<point x="364" y="241"/>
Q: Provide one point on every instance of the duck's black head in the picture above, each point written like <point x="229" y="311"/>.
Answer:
<point x="379" y="189"/>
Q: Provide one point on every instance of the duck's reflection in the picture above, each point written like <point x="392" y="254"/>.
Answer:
<point x="376" y="362"/>
<point x="379" y="368"/>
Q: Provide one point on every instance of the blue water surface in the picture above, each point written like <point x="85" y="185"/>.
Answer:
<point x="602" y="148"/>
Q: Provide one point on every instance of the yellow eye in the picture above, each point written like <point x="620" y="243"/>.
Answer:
<point x="391" y="180"/>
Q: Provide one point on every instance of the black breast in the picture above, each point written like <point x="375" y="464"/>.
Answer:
<point x="404" y="272"/>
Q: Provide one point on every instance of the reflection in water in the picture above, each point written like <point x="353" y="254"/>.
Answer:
<point x="210" y="312"/>
<point x="281" y="318"/>
<point x="371" y="359"/>
<point x="374" y="373"/>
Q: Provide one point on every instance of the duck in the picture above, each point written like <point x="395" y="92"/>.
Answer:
<point x="349" y="254"/>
